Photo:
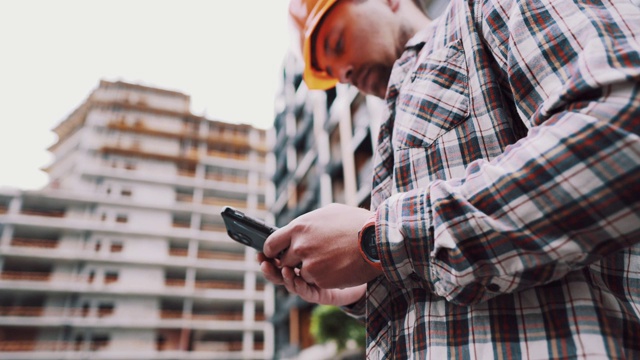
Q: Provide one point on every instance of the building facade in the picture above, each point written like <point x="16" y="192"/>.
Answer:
<point x="124" y="255"/>
<point x="324" y="143"/>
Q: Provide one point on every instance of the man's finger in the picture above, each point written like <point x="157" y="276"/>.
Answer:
<point x="271" y="273"/>
<point x="277" y="242"/>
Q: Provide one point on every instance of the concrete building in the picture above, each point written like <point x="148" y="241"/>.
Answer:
<point x="323" y="150"/>
<point x="123" y="255"/>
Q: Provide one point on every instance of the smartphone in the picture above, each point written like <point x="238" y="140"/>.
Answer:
<point x="244" y="229"/>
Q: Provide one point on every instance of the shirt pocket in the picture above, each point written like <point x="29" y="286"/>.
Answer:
<point x="433" y="99"/>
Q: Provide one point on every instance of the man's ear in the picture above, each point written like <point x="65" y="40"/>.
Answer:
<point x="394" y="4"/>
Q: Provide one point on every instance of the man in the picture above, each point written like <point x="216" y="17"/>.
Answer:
<point x="505" y="214"/>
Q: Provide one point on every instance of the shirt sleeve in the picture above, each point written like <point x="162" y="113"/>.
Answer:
<point x="357" y="310"/>
<point x="558" y="200"/>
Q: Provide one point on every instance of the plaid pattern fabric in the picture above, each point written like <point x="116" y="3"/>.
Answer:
<point x="507" y="186"/>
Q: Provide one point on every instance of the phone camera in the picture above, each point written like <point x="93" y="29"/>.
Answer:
<point x="240" y="237"/>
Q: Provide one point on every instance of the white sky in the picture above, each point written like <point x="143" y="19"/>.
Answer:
<point x="227" y="55"/>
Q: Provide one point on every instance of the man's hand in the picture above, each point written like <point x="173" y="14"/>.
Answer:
<point x="311" y="293"/>
<point x="323" y="244"/>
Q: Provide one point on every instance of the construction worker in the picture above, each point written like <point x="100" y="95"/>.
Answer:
<point x="505" y="214"/>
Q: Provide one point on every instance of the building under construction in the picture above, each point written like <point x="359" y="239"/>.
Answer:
<point x="123" y="255"/>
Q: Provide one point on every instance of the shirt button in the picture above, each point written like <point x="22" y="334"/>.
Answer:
<point x="493" y="287"/>
<point x="415" y="277"/>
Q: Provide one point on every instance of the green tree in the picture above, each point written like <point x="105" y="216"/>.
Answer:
<point x="329" y="323"/>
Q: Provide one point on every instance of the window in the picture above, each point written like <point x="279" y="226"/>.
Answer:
<point x="110" y="277"/>
<point x="122" y="218"/>
<point x="78" y="342"/>
<point x="116" y="246"/>
<point x="126" y="192"/>
<point x="85" y="309"/>
<point x="105" y="309"/>
<point x="99" y="341"/>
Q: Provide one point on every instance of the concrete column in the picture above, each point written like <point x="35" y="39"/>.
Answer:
<point x="6" y="236"/>
<point x="198" y="194"/>
<point x="190" y="279"/>
<point x="192" y="252"/>
<point x="196" y="219"/>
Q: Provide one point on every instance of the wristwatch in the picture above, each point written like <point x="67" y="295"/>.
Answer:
<point x="368" y="243"/>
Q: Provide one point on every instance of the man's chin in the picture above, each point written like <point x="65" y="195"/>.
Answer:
<point x="379" y="91"/>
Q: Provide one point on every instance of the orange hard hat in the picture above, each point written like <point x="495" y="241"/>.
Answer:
<point x="305" y="15"/>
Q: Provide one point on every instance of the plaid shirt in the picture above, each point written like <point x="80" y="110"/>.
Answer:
<point x="507" y="186"/>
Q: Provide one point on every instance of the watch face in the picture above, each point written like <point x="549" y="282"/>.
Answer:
<point x="369" y="243"/>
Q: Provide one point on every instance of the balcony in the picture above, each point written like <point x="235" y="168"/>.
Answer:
<point x="188" y="198"/>
<point x="213" y="227"/>
<point x="216" y="255"/>
<point x="55" y="213"/>
<point x="15" y="346"/>
<point x="179" y="252"/>
<point x="34" y="243"/>
<point x="205" y="284"/>
<point x="187" y="173"/>
<point x="25" y="276"/>
<point x="21" y="311"/>
<point x="227" y="155"/>
<point x="218" y="284"/>
<point x="218" y="201"/>
<point x="181" y="224"/>
<point x="217" y="176"/>
<point x="134" y="150"/>
<point x="41" y="311"/>
<point x="222" y="316"/>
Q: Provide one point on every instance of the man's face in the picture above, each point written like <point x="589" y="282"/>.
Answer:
<point x="358" y="42"/>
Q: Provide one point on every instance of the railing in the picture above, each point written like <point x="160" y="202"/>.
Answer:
<point x="215" y="255"/>
<point x="26" y="311"/>
<point x="184" y="198"/>
<point x="227" y="155"/>
<point x="25" y="275"/>
<point x="178" y="314"/>
<point x="224" y="202"/>
<point x="175" y="282"/>
<point x="227" y="178"/>
<point x="43" y="212"/>
<point x="34" y="243"/>
<point x="40" y="311"/>
<point x="181" y="224"/>
<point x="218" y="284"/>
<point x="230" y="316"/>
<point x="206" y="254"/>
<point x="212" y="227"/>
<point x="33" y="345"/>
<point x="238" y="140"/>
<point x="206" y="284"/>
<point x="186" y="173"/>
<point x="130" y="345"/>
<point x="58" y="278"/>
<point x="178" y="252"/>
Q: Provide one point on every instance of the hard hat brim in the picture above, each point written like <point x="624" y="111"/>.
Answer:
<point x="314" y="78"/>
